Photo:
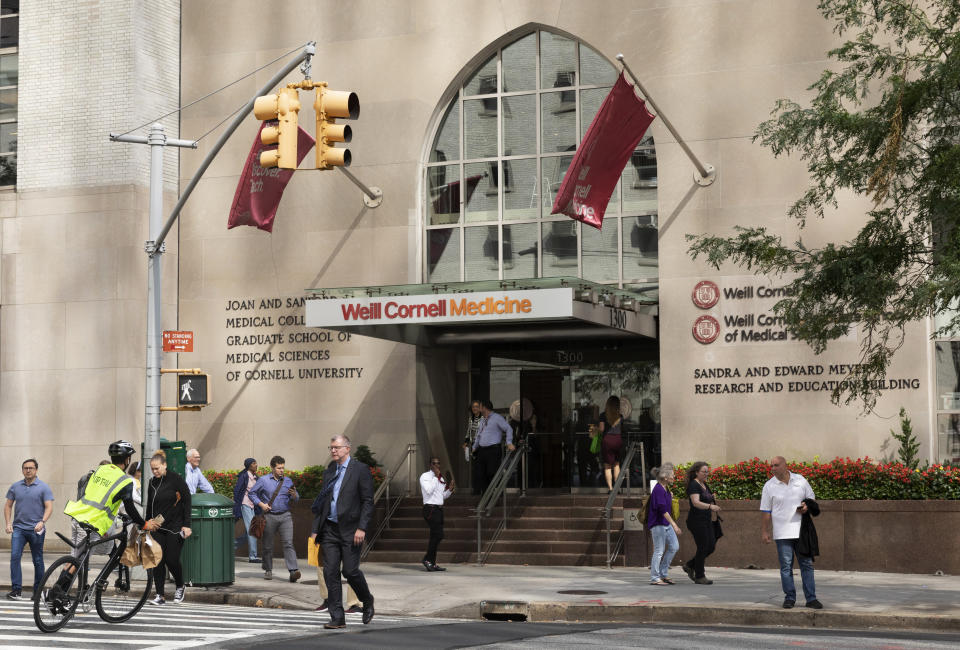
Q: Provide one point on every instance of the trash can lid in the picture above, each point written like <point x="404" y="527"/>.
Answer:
<point x="206" y="499"/>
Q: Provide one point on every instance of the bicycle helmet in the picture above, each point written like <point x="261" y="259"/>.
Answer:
<point x="121" y="449"/>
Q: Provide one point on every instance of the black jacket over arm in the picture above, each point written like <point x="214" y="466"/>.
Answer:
<point x="354" y="503"/>
<point x="808" y="545"/>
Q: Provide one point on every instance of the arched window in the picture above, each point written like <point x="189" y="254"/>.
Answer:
<point x="497" y="157"/>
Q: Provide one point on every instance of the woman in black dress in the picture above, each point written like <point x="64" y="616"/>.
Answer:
<point x="699" y="521"/>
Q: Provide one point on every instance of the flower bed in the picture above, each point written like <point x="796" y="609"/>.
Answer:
<point x="839" y="479"/>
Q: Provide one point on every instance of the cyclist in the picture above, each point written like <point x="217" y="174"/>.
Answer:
<point x="108" y="488"/>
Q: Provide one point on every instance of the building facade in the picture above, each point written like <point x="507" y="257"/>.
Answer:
<point x="469" y="117"/>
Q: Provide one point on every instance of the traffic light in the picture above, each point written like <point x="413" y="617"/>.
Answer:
<point x="282" y="107"/>
<point x="329" y="105"/>
<point x="193" y="390"/>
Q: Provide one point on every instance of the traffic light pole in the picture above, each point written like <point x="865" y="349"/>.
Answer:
<point x="157" y="141"/>
<point x="155" y="245"/>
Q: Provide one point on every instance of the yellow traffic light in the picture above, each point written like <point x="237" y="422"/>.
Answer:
<point x="283" y="107"/>
<point x="331" y="104"/>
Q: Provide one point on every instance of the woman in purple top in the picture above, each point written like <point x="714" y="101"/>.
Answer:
<point x="663" y="528"/>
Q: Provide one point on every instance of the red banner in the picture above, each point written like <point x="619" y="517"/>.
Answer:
<point x="606" y="147"/>
<point x="260" y="188"/>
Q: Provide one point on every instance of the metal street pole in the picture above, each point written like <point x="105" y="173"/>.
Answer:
<point x="157" y="141"/>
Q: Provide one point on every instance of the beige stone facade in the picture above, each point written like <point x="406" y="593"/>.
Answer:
<point x="73" y="272"/>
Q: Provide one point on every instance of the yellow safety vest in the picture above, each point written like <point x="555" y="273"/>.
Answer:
<point x="99" y="503"/>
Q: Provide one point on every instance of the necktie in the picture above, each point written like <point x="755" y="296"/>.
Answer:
<point x="325" y="492"/>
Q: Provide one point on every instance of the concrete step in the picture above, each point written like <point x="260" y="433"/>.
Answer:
<point x="506" y="546"/>
<point x="517" y="534"/>
<point x="445" y="557"/>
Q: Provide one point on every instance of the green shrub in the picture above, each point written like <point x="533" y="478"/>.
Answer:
<point x="841" y="478"/>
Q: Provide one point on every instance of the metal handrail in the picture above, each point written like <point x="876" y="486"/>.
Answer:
<point x="385" y="489"/>
<point x="496" y="489"/>
<point x="608" y="508"/>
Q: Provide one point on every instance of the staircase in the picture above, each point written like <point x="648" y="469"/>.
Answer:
<point x="555" y="530"/>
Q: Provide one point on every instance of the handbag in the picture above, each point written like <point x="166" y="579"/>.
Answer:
<point x="717" y="528"/>
<point x="675" y="509"/>
<point x="259" y="521"/>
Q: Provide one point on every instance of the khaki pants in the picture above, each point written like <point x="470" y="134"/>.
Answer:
<point x="350" y="598"/>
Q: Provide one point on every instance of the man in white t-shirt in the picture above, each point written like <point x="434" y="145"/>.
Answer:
<point x="781" y="503"/>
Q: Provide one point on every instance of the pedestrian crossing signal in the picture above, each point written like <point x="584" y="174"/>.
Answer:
<point x="193" y="390"/>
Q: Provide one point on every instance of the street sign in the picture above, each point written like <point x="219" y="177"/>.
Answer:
<point x="192" y="390"/>
<point x="177" y="341"/>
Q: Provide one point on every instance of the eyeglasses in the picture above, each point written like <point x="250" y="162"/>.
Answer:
<point x="332" y="447"/>
<point x="32" y="469"/>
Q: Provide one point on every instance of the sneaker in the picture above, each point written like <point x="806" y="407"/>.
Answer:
<point x="323" y="606"/>
<point x="268" y="575"/>
<point x="703" y="581"/>
<point x="16" y="594"/>
<point x="157" y="600"/>
<point x="788" y="604"/>
<point x="814" y="604"/>
<point x="255" y="560"/>
<point x="689" y="571"/>
<point x="178" y="595"/>
<point x="294" y="575"/>
<point x="355" y="609"/>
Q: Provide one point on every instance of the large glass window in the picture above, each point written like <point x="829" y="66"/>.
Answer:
<point x="9" y="44"/>
<point x="498" y="157"/>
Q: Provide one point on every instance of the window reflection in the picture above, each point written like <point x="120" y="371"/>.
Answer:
<point x="518" y="118"/>
<point x="443" y="255"/>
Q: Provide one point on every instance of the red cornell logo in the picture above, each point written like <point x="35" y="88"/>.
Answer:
<point x="705" y="294"/>
<point x="706" y="329"/>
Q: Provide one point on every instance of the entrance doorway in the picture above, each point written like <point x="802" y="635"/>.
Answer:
<point x="551" y="397"/>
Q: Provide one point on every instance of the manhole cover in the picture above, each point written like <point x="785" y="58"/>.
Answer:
<point x="582" y="592"/>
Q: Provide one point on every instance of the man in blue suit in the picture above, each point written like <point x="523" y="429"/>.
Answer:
<point x="344" y="509"/>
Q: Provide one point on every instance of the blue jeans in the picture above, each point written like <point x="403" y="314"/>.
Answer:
<point x="665" y="546"/>
<point x="786" y="549"/>
<point x="20" y="539"/>
<point x="247" y="513"/>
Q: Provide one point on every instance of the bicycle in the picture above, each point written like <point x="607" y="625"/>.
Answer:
<point x="117" y="599"/>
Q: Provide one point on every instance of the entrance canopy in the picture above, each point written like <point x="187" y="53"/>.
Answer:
<point x="495" y="310"/>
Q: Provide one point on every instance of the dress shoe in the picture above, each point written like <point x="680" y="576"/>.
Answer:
<point x="354" y="609"/>
<point x="335" y="625"/>
<point x="788" y="604"/>
<point x="323" y="606"/>
<point x="814" y="604"/>
<point x="703" y="581"/>
<point x="368" y="611"/>
<point x="294" y="576"/>
<point x="689" y="571"/>
<point x="427" y="565"/>
<point x="438" y="568"/>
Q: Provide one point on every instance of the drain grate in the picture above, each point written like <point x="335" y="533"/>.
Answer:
<point x="582" y="592"/>
<point x="503" y="610"/>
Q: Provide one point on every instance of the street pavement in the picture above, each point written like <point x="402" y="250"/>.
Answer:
<point x="852" y="600"/>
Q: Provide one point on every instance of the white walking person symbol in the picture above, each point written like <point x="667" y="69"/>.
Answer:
<point x="186" y="389"/>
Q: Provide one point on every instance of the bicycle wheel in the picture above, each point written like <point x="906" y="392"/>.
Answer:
<point x="52" y="605"/>
<point x="121" y="591"/>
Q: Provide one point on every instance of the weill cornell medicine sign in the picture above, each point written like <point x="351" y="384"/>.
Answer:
<point x="441" y="308"/>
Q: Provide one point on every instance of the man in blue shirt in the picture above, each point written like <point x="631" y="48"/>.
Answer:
<point x="26" y="525"/>
<point x="487" y="443"/>
<point x="279" y="518"/>
<point x="196" y="481"/>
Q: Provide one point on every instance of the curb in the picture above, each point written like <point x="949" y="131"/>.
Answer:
<point x="546" y="612"/>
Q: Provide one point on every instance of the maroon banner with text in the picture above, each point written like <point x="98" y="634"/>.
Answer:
<point x="607" y="145"/>
<point x="260" y="188"/>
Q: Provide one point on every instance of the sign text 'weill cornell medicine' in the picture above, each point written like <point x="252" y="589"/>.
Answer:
<point x="441" y="308"/>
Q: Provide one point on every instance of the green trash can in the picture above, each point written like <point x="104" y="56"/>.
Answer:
<point x="176" y="451"/>
<point x="207" y="556"/>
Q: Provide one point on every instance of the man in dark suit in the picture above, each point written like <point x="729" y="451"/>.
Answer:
<point x="344" y="509"/>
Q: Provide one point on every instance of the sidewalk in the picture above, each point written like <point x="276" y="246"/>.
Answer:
<point x="737" y="597"/>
